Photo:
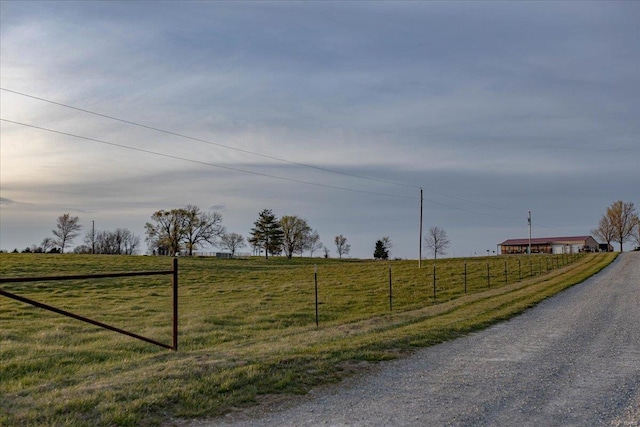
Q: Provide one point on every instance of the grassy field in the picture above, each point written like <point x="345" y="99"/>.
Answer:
<point x="247" y="328"/>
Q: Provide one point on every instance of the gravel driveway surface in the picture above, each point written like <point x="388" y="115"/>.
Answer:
<point x="573" y="360"/>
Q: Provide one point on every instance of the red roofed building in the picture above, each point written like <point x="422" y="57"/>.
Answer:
<point x="550" y="245"/>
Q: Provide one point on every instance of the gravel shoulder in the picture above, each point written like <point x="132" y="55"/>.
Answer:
<point x="573" y="360"/>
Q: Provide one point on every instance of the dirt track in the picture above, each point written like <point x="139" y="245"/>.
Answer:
<point x="573" y="360"/>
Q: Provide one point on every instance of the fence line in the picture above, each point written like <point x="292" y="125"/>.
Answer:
<point x="469" y="275"/>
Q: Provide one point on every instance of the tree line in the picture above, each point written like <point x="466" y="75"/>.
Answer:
<point x="184" y="230"/>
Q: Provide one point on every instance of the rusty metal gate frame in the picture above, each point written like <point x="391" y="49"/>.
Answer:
<point x="173" y="272"/>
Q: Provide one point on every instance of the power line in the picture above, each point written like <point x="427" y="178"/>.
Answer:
<point x="248" y="151"/>
<point x="170" y="156"/>
<point x="266" y="156"/>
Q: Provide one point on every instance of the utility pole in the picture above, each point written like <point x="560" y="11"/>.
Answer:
<point x="529" y="220"/>
<point x="93" y="237"/>
<point x="420" y="243"/>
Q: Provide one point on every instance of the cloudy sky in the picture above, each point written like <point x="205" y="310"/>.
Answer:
<point x="337" y="112"/>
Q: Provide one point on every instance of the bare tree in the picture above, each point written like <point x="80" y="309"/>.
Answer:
<point x="201" y="227"/>
<point x="166" y="232"/>
<point x="313" y="243"/>
<point x="90" y="239"/>
<point x="107" y="243"/>
<point x="436" y="240"/>
<point x="623" y="218"/>
<point x="188" y="227"/>
<point x="129" y="242"/>
<point x="67" y="228"/>
<point x="295" y="232"/>
<point x="47" y="244"/>
<point x="605" y="231"/>
<point x="342" y="247"/>
<point x="232" y="241"/>
<point x="386" y="242"/>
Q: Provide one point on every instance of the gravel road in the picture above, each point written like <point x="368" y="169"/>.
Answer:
<point x="573" y="360"/>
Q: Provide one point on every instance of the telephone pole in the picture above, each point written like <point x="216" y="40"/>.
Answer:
<point x="420" y="244"/>
<point x="529" y="221"/>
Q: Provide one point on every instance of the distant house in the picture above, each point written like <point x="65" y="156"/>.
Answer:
<point x="550" y="245"/>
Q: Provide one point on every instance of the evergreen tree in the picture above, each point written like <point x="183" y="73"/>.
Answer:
<point x="267" y="233"/>
<point x="381" y="251"/>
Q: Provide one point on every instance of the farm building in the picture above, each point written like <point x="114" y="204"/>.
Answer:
<point x="550" y="245"/>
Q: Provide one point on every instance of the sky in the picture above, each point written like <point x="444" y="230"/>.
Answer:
<point x="337" y="112"/>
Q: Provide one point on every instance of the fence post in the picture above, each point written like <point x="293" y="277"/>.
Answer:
<point x="315" y="280"/>
<point x="175" y="304"/>
<point x="540" y="265"/>
<point x="488" y="275"/>
<point x="390" y="291"/>
<point x="519" y="270"/>
<point x="506" y="273"/>
<point x="465" y="276"/>
<point x="434" y="281"/>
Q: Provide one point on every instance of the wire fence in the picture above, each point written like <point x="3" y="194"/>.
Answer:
<point x="401" y="288"/>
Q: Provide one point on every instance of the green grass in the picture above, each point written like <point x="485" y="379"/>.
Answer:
<point x="247" y="328"/>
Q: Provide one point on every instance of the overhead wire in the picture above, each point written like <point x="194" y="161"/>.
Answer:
<point x="200" y="162"/>
<point x="153" y="128"/>
<point x="171" y="156"/>
<point x="168" y="132"/>
<point x="203" y="163"/>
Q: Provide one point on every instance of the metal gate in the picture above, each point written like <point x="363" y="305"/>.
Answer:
<point x="173" y="272"/>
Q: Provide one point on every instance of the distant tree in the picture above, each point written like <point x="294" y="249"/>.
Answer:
<point x="605" y="231"/>
<point x="623" y="218"/>
<point x="201" y="227"/>
<point x="90" y="239"/>
<point x="106" y="243"/>
<point x="47" y="244"/>
<point x="380" y="251"/>
<point x="256" y="247"/>
<point x="326" y="251"/>
<point x="118" y="242"/>
<point x="436" y="240"/>
<point x="130" y="242"/>
<point x="342" y="247"/>
<point x="82" y="249"/>
<point x="67" y="228"/>
<point x="267" y="233"/>
<point x="26" y="250"/>
<point x="15" y="251"/>
<point x="386" y="241"/>
<point x="166" y="231"/>
<point x="232" y="242"/>
<point x="313" y="243"/>
<point x="295" y="232"/>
